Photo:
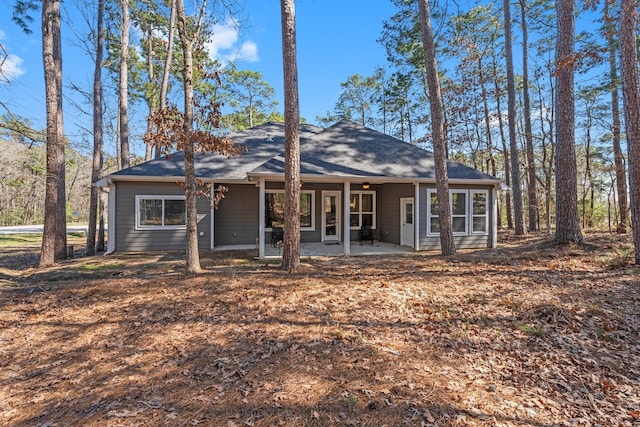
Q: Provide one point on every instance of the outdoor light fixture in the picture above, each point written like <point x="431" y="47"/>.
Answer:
<point x="365" y="185"/>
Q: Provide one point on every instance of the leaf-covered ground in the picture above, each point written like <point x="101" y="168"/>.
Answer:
<point x="529" y="334"/>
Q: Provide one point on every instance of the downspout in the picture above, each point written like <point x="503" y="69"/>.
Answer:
<point x="111" y="220"/>
<point x="416" y="216"/>
<point x="261" y="220"/>
<point x="494" y="218"/>
<point x="212" y="215"/>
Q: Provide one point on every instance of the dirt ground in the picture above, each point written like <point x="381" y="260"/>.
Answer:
<point x="529" y="334"/>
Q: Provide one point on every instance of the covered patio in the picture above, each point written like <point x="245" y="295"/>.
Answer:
<point x="319" y="249"/>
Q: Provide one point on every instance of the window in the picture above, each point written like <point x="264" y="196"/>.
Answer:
<point x="274" y="209"/>
<point x="363" y="209"/>
<point x="479" y="216"/>
<point x="153" y="212"/>
<point x="458" y="212"/>
<point x="469" y="213"/>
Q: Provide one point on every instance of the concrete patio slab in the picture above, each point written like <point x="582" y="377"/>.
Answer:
<point x="318" y="249"/>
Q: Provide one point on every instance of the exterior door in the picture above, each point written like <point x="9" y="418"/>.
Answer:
<point x="331" y="216"/>
<point x="407" y="228"/>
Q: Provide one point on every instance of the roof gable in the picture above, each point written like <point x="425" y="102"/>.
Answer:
<point x="263" y="142"/>
<point x="350" y="150"/>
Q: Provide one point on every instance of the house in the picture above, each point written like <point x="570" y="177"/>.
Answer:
<point x="352" y="176"/>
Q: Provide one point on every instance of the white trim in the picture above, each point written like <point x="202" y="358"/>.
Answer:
<point x="212" y="243"/>
<point x="323" y="221"/>
<point x="111" y="220"/>
<point x="360" y="212"/>
<point x="430" y="191"/>
<point x="494" y="218"/>
<point x="416" y="216"/>
<point x="313" y="205"/>
<point x="346" y="224"/>
<point x="172" y="178"/>
<point x="139" y="197"/>
<point x="403" y="215"/>
<point x="486" y="216"/>
<point x="253" y="177"/>
<point x="468" y="212"/>
<point x="261" y="212"/>
<point x="372" y="180"/>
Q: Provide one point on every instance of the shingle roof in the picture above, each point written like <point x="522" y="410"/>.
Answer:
<point x="345" y="149"/>
<point x="262" y="142"/>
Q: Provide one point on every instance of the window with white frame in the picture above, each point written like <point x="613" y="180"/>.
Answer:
<point x="469" y="212"/>
<point x="160" y="212"/>
<point x="362" y="206"/>
<point x="479" y="211"/>
<point x="274" y="209"/>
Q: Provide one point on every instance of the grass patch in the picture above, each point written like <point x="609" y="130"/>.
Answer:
<point x="533" y="330"/>
<point x="99" y="266"/>
<point x="8" y="240"/>
<point x="18" y="240"/>
<point x="618" y="258"/>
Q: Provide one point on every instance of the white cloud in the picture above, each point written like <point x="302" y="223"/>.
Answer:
<point x="248" y="52"/>
<point x="224" y="47"/>
<point x="2" y="34"/>
<point x="10" y="67"/>
<point x="225" y="35"/>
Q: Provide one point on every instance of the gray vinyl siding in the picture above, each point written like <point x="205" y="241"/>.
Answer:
<point x="462" y="242"/>
<point x="388" y="197"/>
<point x="236" y="220"/>
<point x="128" y="239"/>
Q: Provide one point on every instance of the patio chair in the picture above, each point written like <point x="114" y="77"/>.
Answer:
<point x="277" y="235"/>
<point x="366" y="233"/>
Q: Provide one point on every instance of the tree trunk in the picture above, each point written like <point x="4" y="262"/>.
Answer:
<point x="190" y="185"/>
<point x="516" y="184"/>
<point x="291" y="244"/>
<point x="567" y="220"/>
<point x="152" y="100"/>
<point x="123" y="85"/>
<point x="532" y="193"/>
<point x="491" y="161"/>
<point x="61" y="213"/>
<point x="447" y="243"/>
<point x="548" y="150"/>
<point x="54" y="238"/>
<point x="587" y="216"/>
<point x="505" y="151"/>
<point x="96" y="168"/>
<point x="102" y="218"/>
<point x="621" y="175"/>
<point x="631" y="97"/>
<point x="166" y="72"/>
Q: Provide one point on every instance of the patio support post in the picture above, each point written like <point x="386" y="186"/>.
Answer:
<point x="211" y="215"/>
<point x="261" y="220"/>
<point x="346" y="219"/>
<point x="494" y="218"/>
<point x="416" y="216"/>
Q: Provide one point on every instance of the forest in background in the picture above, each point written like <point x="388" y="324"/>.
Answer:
<point x="22" y="172"/>
<point x="470" y="41"/>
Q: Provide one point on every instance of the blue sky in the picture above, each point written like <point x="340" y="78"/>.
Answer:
<point x="335" y="39"/>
